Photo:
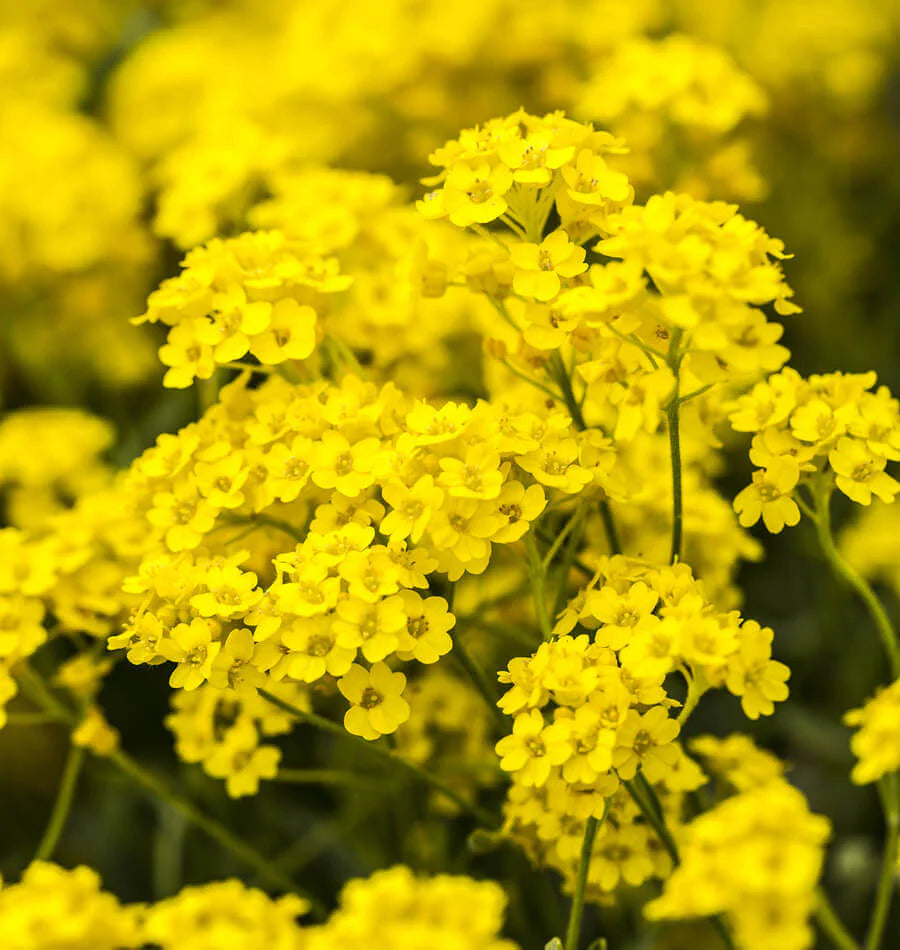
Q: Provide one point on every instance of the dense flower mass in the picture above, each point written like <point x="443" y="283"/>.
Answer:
<point x="831" y="428"/>
<point x="52" y="908"/>
<point x="426" y="541"/>
<point x="875" y="742"/>
<point x="756" y="858"/>
<point x="591" y="710"/>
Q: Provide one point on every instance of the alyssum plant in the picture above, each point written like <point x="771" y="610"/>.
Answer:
<point x="333" y="530"/>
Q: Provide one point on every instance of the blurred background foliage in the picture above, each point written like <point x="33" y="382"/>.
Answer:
<point x="135" y="129"/>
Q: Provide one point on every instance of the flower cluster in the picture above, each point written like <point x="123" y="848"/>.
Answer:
<point x="448" y="730"/>
<point x="49" y="457"/>
<point x="678" y="312"/>
<point x="592" y="710"/>
<point x="394" y="908"/>
<point x="876" y="741"/>
<point x="223" y="728"/>
<point x="258" y="293"/>
<point x="225" y="915"/>
<point x="299" y="532"/>
<point x="67" y="565"/>
<point x="871" y="543"/>
<point x="756" y="858"/>
<point x="52" y="223"/>
<point x="427" y="433"/>
<point x="656" y="91"/>
<point x="737" y="760"/>
<point x="52" y="908"/>
<point x="827" y="430"/>
<point x="519" y="167"/>
<point x="407" y="299"/>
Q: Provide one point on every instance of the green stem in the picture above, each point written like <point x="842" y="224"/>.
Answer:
<point x="573" y="931"/>
<point x="265" y="521"/>
<point x="675" y="452"/>
<point x="252" y="367"/>
<point x="345" y="354"/>
<point x="511" y="633"/>
<point x="513" y="225"/>
<point x="649" y="794"/>
<point x="849" y="573"/>
<point x="326" y="777"/>
<point x="30" y="719"/>
<point x="565" y="384"/>
<point x="479" y="679"/>
<point x="326" y="725"/>
<point x="696" y="393"/>
<point x="653" y="814"/>
<point x="887" y="788"/>
<point x="34" y="686"/>
<point x="538" y="581"/>
<point x="695" y="692"/>
<point x="214" y="829"/>
<point x="655" y="822"/>
<point x="609" y="526"/>
<point x="576" y="561"/>
<point x="673" y="360"/>
<point x="560" y="538"/>
<point x="568" y="559"/>
<point x="564" y="381"/>
<point x="63" y="804"/>
<point x="831" y="925"/>
<point x="530" y="380"/>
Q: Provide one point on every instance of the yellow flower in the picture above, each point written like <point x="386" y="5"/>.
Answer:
<point x="876" y="742"/>
<point x="312" y="591"/>
<point x="373" y="628"/>
<point x="21" y="626"/>
<point x="860" y="474"/>
<point x="427" y="624"/>
<point x="622" y="616"/>
<point x="738" y="760"/>
<point x="229" y="912"/>
<point x="756" y="858"/>
<point x="645" y="742"/>
<point x="183" y="514"/>
<point x="378" y="707"/>
<point x="187" y="357"/>
<point x="519" y="506"/>
<point x="193" y="647"/>
<point x="95" y="733"/>
<point x="229" y="592"/>
<point x="533" y="159"/>
<point x="539" y="267"/>
<point x="769" y="497"/>
<point x="289" y="335"/>
<point x="346" y="468"/>
<point x="592" y="182"/>
<point x="55" y="907"/>
<point x="475" y="195"/>
<point x="411" y="507"/>
<point x="313" y="650"/>
<point x="220" y="481"/>
<point x="233" y="320"/>
<point x="556" y="465"/>
<point x="234" y="667"/>
<point x="242" y="761"/>
<point x="475" y="476"/>
<point x="288" y="468"/>
<point x="753" y="675"/>
<point x="534" y="748"/>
